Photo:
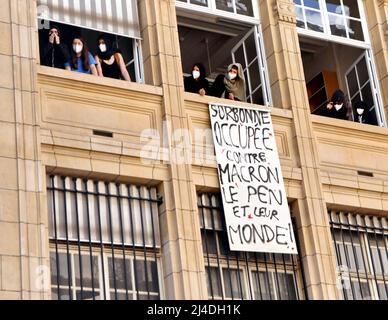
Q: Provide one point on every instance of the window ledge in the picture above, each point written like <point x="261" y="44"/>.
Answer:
<point x="52" y="76"/>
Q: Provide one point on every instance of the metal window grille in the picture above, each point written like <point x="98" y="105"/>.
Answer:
<point x="104" y="240"/>
<point x="361" y="245"/>
<point x="241" y="275"/>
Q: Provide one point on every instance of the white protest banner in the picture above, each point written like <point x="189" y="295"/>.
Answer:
<point x="254" y="198"/>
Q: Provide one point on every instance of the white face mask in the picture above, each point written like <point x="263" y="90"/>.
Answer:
<point x="102" y="47"/>
<point x="196" y="74"/>
<point x="338" y="106"/>
<point x="232" y="76"/>
<point x="360" y="112"/>
<point x="78" y="48"/>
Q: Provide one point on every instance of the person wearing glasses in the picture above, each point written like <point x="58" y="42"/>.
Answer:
<point x="55" y="54"/>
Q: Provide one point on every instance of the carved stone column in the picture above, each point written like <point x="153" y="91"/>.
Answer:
<point x="183" y="262"/>
<point x="23" y="220"/>
<point x="289" y="90"/>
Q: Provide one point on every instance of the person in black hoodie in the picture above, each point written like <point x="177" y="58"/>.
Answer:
<point x="338" y="107"/>
<point x="197" y="82"/>
<point x="362" y="113"/>
<point x="55" y="54"/>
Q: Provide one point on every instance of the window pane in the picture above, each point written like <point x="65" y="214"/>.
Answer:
<point x="267" y="286"/>
<point x="63" y="269"/>
<point x="244" y="7"/>
<point x="63" y="294"/>
<point x="240" y="57"/>
<point x="258" y="97"/>
<point x="87" y="295"/>
<point x="199" y="2"/>
<point x="334" y="6"/>
<point x="362" y="71"/>
<point x="86" y="271"/>
<point x="287" y="286"/>
<point x="383" y="291"/>
<point x="314" y="21"/>
<point x="225" y="5"/>
<point x="234" y="283"/>
<point x="299" y="17"/>
<point x="209" y="242"/>
<point x="352" y="82"/>
<point x="355" y="30"/>
<point x="357" y="287"/>
<point x="351" y="8"/>
<point x="312" y="4"/>
<point x="151" y="274"/>
<point x="213" y="279"/>
<point x="120" y="274"/>
<point x="254" y="74"/>
<point x="250" y="48"/>
<point x="298" y="2"/>
<point x="367" y="95"/>
<point x="337" y="26"/>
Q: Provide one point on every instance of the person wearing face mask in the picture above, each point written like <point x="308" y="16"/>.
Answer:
<point x="197" y="82"/>
<point x="231" y="85"/>
<point x="55" y="54"/>
<point x="338" y="107"/>
<point x="110" y="62"/>
<point x="362" y="113"/>
<point x="82" y="60"/>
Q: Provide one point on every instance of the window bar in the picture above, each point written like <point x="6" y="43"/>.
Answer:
<point x="90" y="236"/>
<point x="355" y="255"/>
<point x="107" y="195"/>
<point x="206" y="247"/>
<point x="217" y="240"/>
<point x="285" y="277"/>
<point x="380" y="258"/>
<point x="79" y="241"/>
<point x="249" y="277"/>
<point x="267" y="276"/>
<point x="369" y="248"/>
<point x="144" y="242"/>
<point x="240" y="287"/>
<point x="153" y="229"/>
<point x="229" y="271"/>
<point x="296" y="276"/>
<point x="130" y="199"/>
<point x="277" y="276"/>
<point x="122" y="240"/>
<point x="386" y="252"/>
<point x="56" y="238"/>
<point x="67" y="239"/>
<point x="306" y="296"/>
<point x="346" y="255"/>
<point x="258" y="276"/>
<point x="100" y="230"/>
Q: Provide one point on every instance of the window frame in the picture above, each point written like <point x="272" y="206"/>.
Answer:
<point x="211" y="9"/>
<point x="326" y="34"/>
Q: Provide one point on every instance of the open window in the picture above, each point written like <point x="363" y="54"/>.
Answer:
<point x="117" y="19"/>
<point x="336" y="54"/>
<point x="218" y="41"/>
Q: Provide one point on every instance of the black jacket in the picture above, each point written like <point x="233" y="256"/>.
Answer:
<point x="55" y="56"/>
<point x="340" y="114"/>
<point x="192" y="85"/>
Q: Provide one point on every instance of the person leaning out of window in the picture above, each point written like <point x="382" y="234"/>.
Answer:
<point x="339" y="107"/>
<point x="81" y="59"/>
<point x="55" y="54"/>
<point x="197" y="82"/>
<point x="231" y="85"/>
<point x="110" y="62"/>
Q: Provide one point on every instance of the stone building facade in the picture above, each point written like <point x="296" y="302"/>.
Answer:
<point x="73" y="144"/>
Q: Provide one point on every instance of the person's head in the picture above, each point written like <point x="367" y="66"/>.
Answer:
<point x="235" y="72"/>
<point x="361" y="107"/>
<point x="80" y="50"/>
<point x="103" y="44"/>
<point x="198" y="71"/>
<point x="338" y="99"/>
<point x="54" y="30"/>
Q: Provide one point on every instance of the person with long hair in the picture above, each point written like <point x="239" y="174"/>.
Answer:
<point x="55" y="54"/>
<point x="110" y="61"/>
<point x="81" y="59"/>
